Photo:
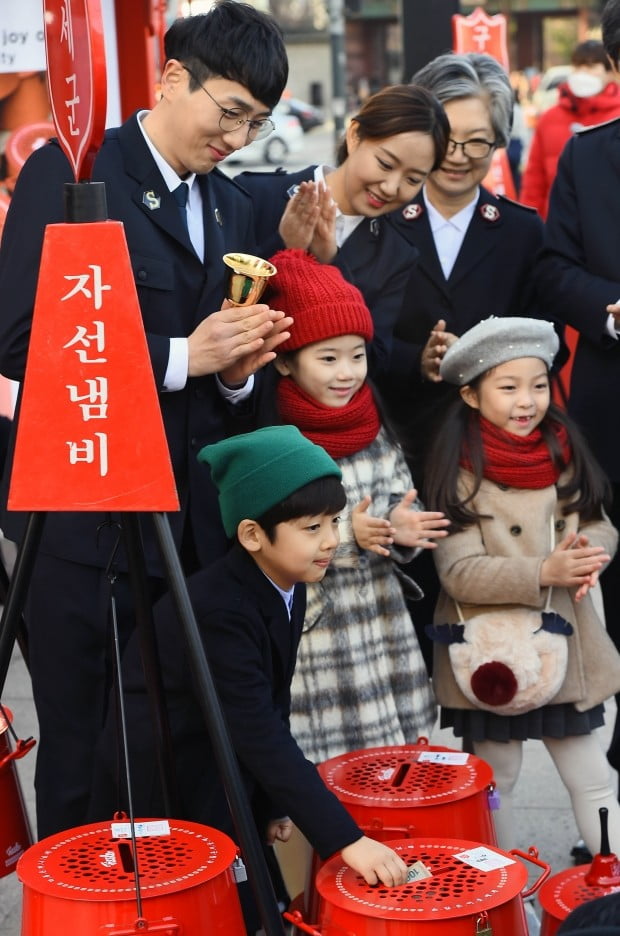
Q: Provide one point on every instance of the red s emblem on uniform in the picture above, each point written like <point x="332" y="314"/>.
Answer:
<point x="489" y="212"/>
<point x="412" y="212"/>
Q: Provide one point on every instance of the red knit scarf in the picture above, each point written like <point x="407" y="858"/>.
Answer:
<point x="519" y="461"/>
<point x="339" y="430"/>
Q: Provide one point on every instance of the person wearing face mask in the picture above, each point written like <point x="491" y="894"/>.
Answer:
<point x="590" y="96"/>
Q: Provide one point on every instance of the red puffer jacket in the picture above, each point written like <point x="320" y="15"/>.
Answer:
<point x="554" y="129"/>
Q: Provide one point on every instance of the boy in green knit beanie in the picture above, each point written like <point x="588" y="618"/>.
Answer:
<point x="280" y="497"/>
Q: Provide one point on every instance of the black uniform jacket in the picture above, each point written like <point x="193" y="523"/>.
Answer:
<point x="176" y="290"/>
<point x="251" y="646"/>
<point x="579" y="275"/>
<point x="492" y="275"/>
<point x="375" y="257"/>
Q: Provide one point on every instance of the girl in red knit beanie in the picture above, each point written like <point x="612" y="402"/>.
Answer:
<point x="360" y="680"/>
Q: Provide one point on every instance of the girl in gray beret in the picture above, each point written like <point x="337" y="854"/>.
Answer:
<point x="528" y="531"/>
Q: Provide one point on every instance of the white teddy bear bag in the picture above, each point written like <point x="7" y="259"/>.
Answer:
<point x="509" y="660"/>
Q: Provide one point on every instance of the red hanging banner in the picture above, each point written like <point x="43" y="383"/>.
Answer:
<point x="479" y="32"/>
<point x="90" y="435"/>
<point x="76" y="78"/>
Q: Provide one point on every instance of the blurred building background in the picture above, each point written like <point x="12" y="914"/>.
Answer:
<point x="379" y="37"/>
<point x="340" y="51"/>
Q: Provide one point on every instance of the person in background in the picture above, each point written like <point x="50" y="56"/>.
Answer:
<point x="579" y="282"/>
<point x="590" y="95"/>
<point x="519" y="140"/>
<point x="528" y="531"/>
<point x="224" y="73"/>
<point x="342" y="213"/>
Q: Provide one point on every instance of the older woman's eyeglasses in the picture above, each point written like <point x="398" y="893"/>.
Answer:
<point x="473" y="149"/>
<point x="232" y="118"/>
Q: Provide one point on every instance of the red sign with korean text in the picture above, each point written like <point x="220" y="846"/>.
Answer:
<point x="479" y="32"/>
<point x="90" y="434"/>
<point x="76" y="76"/>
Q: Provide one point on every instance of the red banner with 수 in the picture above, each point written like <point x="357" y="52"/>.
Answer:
<point x="76" y="78"/>
<point x="480" y="32"/>
<point x="485" y="34"/>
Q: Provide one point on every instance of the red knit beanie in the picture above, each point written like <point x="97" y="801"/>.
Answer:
<point x="323" y="304"/>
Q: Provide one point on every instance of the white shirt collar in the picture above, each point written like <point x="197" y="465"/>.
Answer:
<point x="460" y="220"/>
<point x="171" y="178"/>
<point x="287" y="594"/>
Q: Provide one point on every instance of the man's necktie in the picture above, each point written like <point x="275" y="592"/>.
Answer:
<point x="180" y="195"/>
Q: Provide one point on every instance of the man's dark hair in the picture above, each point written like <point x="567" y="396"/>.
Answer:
<point x="234" y="41"/>
<point x="610" y="25"/>
<point x="321" y="496"/>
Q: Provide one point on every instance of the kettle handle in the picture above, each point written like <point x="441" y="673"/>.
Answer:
<point x="21" y="749"/>
<point x="532" y="856"/>
<point x="297" y="920"/>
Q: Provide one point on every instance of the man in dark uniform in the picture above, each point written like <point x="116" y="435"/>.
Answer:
<point x="224" y="72"/>
<point x="579" y="280"/>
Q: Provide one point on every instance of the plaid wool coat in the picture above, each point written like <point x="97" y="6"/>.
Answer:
<point x="360" y="679"/>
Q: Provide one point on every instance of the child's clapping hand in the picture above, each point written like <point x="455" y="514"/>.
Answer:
<point x="574" y="562"/>
<point x="405" y="527"/>
<point x="373" y="533"/>
<point x="417" y="528"/>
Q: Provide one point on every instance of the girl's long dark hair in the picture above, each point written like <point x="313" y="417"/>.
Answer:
<point x="586" y="491"/>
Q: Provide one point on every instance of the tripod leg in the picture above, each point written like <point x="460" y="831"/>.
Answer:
<point x="150" y="660"/>
<point x="22" y="633"/>
<point x="16" y="595"/>
<point x="247" y="833"/>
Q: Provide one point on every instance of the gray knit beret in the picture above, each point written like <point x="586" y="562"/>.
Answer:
<point x="495" y="341"/>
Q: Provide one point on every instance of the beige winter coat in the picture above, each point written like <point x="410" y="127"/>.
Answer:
<point x="497" y="561"/>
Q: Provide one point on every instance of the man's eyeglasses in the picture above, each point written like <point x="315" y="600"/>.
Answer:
<point x="473" y="149"/>
<point x="232" y="118"/>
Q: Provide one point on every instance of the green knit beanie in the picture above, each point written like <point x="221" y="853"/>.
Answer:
<point x="255" y="471"/>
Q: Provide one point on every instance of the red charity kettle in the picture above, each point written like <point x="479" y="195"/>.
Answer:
<point x="15" y="834"/>
<point x="568" y="889"/>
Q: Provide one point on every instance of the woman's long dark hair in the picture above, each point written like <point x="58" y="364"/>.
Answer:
<point x="586" y="491"/>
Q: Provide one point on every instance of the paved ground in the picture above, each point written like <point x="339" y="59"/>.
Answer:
<point x="544" y="813"/>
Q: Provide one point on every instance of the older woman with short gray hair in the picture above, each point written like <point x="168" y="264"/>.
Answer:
<point x="452" y="76"/>
<point x="476" y="247"/>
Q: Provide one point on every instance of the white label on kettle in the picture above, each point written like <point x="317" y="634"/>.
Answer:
<point x="142" y="829"/>
<point x="444" y="757"/>
<point x="484" y="859"/>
